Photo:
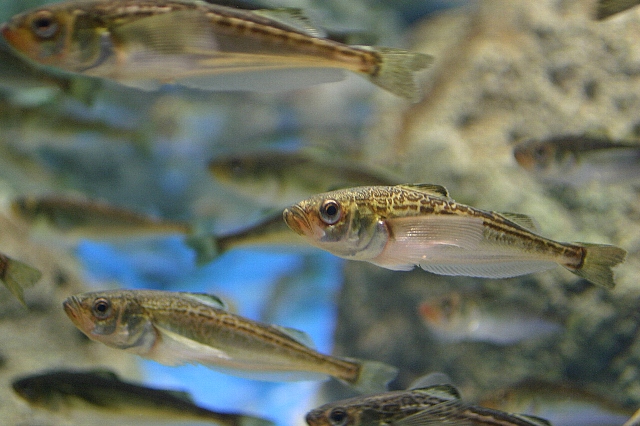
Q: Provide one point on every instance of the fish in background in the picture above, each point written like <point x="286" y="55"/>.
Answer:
<point x="464" y="316"/>
<point x="280" y="178"/>
<point x="201" y="45"/>
<point x="77" y="217"/>
<point x="606" y="8"/>
<point x="175" y="328"/>
<point x="100" y="396"/>
<point x="578" y="160"/>
<point x="403" y="226"/>
<point x="271" y="233"/>
<point x="16" y="275"/>
<point x="562" y="403"/>
<point x="432" y="405"/>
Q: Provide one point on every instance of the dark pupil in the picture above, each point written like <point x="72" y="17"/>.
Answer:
<point x="102" y="307"/>
<point x="331" y="210"/>
<point x="337" y="416"/>
<point x="42" y="23"/>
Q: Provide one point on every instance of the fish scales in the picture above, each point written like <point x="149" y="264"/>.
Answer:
<point x="127" y="41"/>
<point x="176" y="328"/>
<point x="497" y="228"/>
<point x="403" y="226"/>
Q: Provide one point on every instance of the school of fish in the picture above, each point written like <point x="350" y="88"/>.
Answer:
<point x="354" y="213"/>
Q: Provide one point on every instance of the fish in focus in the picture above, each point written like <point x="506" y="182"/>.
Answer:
<point x="147" y="44"/>
<point x="16" y="275"/>
<point x="403" y="226"/>
<point x="101" y="395"/>
<point x="456" y="317"/>
<point x="175" y="328"/>
<point x="606" y="8"/>
<point x="562" y="403"/>
<point x="433" y="405"/>
<point x="577" y="160"/>
<point x="270" y="233"/>
<point x="277" y="179"/>
<point x="89" y="218"/>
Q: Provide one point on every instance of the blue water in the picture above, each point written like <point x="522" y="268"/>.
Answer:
<point x="246" y="280"/>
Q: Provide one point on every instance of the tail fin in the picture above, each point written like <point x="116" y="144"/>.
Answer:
<point x="597" y="263"/>
<point x="205" y="246"/>
<point x="396" y="72"/>
<point x="374" y="377"/>
<point x="17" y="275"/>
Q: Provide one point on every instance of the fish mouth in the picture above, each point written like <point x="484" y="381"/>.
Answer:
<point x="297" y="220"/>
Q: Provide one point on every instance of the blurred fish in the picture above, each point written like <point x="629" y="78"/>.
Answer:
<point x="399" y="227"/>
<point x="458" y="316"/>
<point x="84" y="218"/>
<point x="31" y="85"/>
<point x="270" y="233"/>
<point x="634" y="420"/>
<point x="606" y="8"/>
<point x="176" y="328"/>
<point x="16" y="275"/>
<point x="203" y="45"/>
<point x="100" y="395"/>
<point x="434" y="405"/>
<point x="563" y="404"/>
<point x="577" y="160"/>
<point x="277" y="179"/>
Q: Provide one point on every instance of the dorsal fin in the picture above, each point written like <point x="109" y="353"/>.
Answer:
<point x="429" y="188"/>
<point x="428" y="380"/>
<point x="521" y="219"/>
<point x="105" y="374"/>
<point x="292" y="17"/>
<point x="182" y="395"/>
<point x="207" y="299"/>
<point x="442" y="391"/>
<point x="297" y="335"/>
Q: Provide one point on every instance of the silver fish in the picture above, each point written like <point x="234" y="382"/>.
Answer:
<point x="175" y="328"/>
<point x="146" y="44"/>
<point x="399" y="227"/>
<point x="577" y="160"/>
<point x="433" y="405"/>
<point x="100" y="395"/>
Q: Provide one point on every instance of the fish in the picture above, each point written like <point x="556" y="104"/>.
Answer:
<point x="101" y="395"/>
<point x="175" y="328"/>
<point x="579" y="159"/>
<point x="432" y="405"/>
<point x="88" y="218"/>
<point x="403" y="226"/>
<point x="458" y="316"/>
<point x="16" y="275"/>
<point x="147" y="44"/>
<point x="280" y="178"/>
<point x="606" y="8"/>
<point x="634" y="420"/>
<point x="269" y="233"/>
<point x="562" y="403"/>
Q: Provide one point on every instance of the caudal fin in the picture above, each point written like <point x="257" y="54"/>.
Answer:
<point x="597" y="263"/>
<point x="17" y="275"/>
<point x="397" y="69"/>
<point x="374" y="377"/>
<point x="206" y="248"/>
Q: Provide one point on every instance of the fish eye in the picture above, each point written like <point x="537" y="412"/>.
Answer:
<point x="101" y="308"/>
<point x="338" y="417"/>
<point x="44" y="24"/>
<point x="540" y="152"/>
<point x="330" y="212"/>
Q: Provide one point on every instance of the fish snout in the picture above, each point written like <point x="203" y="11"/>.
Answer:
<point x="296" y="218"/>
<point x="72" y="309"/>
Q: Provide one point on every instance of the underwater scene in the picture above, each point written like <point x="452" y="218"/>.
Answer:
<point x="320" y="212"/>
